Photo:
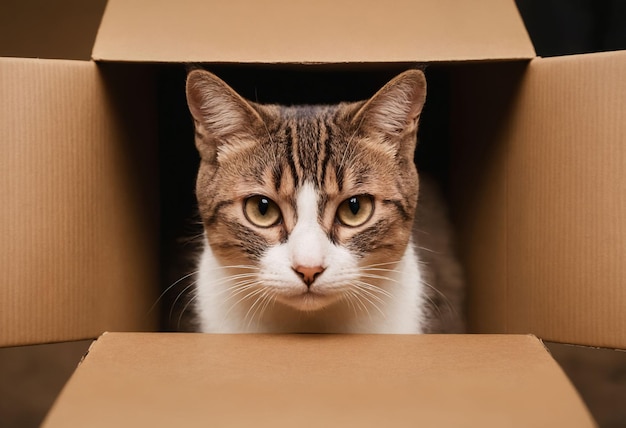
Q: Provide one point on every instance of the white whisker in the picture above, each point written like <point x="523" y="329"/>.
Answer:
<point x="271" y="299"/>
<point x="381" y="270"/>
<point x="382" y="277"/>
<point x="427" y="249"/>
<point x="250" y="267"/>
<point x="345" y="297"/>
<point x="358" y="302"/>
<point x="239" y="278"/>
<point x="371" y="290"/>
<point x="443" y="297"/>
<point x="252" y="293"/>
<point x="169" y="288"/>
<point x="184" y="290"/>
<point x="253" y="309"/>
<point x="395" y="262"/>
<point x="374" y="305"/>
<point x="241" y="287"/>
<point x="180" y="316"/>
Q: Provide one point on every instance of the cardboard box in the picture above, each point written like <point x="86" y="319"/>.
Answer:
<point x="535" y="156"/>
<point x="530" y="149"/>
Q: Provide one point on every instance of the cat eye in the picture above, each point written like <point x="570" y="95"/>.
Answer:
<point x="355" y="210"/>
<point x="261" y="211"/>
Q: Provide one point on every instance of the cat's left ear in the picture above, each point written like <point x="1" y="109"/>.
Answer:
<point x="395" y="109"/>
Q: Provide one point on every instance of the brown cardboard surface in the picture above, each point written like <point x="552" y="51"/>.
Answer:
<point x="318" y="380"/>
<point x="540" y="161"/>
<point x="567" y="201"/>
<point x="330" y="31"/>
<point x="542" y="166"/>
<point x="62" y="29"/>
<point x="76" y="255"/>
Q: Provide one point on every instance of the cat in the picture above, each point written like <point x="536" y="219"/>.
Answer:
<point x="311" y="216"/>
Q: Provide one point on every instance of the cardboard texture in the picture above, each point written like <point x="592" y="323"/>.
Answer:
<point x="540" y="172"/>
<point x="75" y="253"/>
<point x="567" y="218"/>
<point x="318" y="380"/>
<point x="326" y="31"/>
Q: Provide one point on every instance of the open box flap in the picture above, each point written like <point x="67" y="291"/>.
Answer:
<point x="545" y="226"/>
<point x="318" y="380"/>
<point x="325" y="31"/>
<point x="75" y="255"/>
<point x="567" y="217"/>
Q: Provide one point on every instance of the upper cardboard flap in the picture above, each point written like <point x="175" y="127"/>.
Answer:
<point x="323" y="31"/>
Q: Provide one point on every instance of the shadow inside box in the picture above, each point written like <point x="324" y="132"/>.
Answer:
<point x="599" y="375"/>
<point x="31" y="377"/>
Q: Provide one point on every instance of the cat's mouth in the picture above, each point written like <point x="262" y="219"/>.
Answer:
<point x="309" y="300"/>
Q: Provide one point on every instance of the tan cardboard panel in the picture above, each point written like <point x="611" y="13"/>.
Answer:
<point x="76" y="253"/>
<point x="327" y="31"/>
<point x="567" y="201"/>
<point x="318" y="380"/>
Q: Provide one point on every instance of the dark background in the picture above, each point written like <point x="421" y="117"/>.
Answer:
<point x="564" y="27"/>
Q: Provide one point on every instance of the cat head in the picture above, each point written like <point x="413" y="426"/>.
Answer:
<point x="307" y="197"/>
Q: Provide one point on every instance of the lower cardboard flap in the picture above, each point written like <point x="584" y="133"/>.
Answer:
<point x="312" y="380"/>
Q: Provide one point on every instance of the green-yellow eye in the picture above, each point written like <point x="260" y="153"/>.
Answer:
<point x="355" y="210"/>
<point x="261" y="211"/>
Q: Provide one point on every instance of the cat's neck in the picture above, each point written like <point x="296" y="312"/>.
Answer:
<point x="225" y="310"/>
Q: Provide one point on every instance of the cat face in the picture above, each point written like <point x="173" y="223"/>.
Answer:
<point x="316" y="201"/>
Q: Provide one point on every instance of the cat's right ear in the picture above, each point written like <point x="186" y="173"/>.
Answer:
<point x="395" y="109"/>
<point x="221" y="116"/>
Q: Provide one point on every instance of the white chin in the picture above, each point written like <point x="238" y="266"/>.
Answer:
<point x="308" y="302"/>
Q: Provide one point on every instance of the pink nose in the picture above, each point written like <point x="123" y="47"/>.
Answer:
<point x="308" y="274"/>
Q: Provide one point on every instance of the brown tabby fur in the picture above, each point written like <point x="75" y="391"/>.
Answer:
<point x="278" y="149"/>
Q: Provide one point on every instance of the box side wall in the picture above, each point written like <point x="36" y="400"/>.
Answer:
<point x="567" y="201"/>
<point x="76" y="255"/>
<point x="483" y="96"/>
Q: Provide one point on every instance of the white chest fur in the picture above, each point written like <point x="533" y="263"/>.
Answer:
<point x="222" y="310"/>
